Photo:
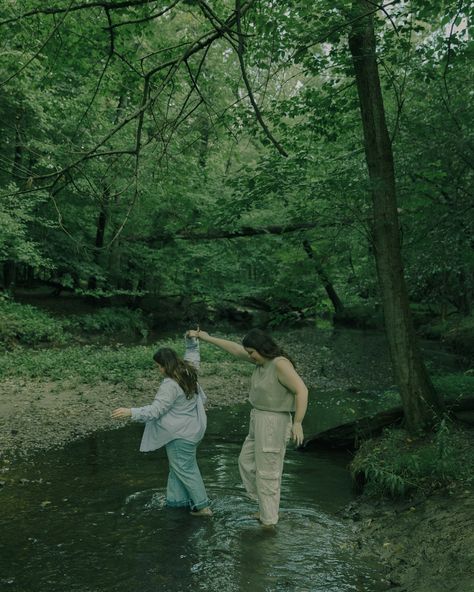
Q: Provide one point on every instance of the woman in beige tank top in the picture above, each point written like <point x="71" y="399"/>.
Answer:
<point x="276" y="391"/>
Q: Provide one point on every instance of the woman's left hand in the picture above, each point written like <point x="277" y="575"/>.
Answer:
<point x="121" y="413"/>
<point x="297" y="433"/>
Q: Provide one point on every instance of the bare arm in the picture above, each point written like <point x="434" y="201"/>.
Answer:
<point x="229" y="346"/>
<point x="289" y="378"/>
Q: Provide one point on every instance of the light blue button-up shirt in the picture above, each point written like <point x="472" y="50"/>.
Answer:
<point x="171" y="416"/>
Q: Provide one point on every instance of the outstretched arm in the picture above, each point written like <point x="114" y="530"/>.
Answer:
<point x="164" y="400"/>
<point x="288" y="376"/>
<point x="229" y="346"/>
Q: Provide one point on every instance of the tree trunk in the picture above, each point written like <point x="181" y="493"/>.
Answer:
<point x="99" y="237"/>
<point x="10" y="265"/>
<point x="103" y="217"/>
<point x="114" y="261"/>
<point x="321" y="273"/>
<point x="203" y="141"/>
<point x="420" y="401"/>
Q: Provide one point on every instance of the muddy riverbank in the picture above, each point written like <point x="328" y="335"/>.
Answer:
<point x="425" y="544"/>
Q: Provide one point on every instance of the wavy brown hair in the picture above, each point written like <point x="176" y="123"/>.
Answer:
<point x="265" y="345"/>
<point x="182" y="372"/>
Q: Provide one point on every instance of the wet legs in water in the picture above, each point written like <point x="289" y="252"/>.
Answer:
<point x="185" y="487"/>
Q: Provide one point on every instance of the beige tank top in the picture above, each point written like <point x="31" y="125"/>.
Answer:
<point x="266" y="391"/>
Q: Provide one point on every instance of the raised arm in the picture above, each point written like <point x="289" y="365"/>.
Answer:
<point x="288" y="376"/>
<point x="229" y="346"/>
<point x="192" y="353"/>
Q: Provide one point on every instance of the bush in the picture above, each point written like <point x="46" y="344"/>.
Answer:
<point x="396" y="463"/>
<point x="108" y="321"/>
<point x="456" y="385"/>
<point x="25" y="324"/>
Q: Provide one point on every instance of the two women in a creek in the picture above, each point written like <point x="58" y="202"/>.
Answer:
<point x="276" y="392"/>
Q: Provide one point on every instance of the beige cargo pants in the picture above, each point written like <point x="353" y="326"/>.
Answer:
<point x="261" y="460"/>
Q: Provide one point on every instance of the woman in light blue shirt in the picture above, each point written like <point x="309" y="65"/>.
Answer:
<point x="177" y="420"/>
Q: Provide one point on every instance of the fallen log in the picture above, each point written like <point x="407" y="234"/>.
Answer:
<point x="349" y="435"/>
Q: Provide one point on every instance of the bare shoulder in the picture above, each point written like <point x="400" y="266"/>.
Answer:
<point x="283" y="363"/>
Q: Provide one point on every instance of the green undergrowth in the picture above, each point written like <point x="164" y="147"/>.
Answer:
<point x="397" y="464"/>
<point x="455" y="385"/>
<point x="90" y="364"/>
<point x="457" y="332"/>
<point x="25" y="324"/>
<point x="108" y="321"/>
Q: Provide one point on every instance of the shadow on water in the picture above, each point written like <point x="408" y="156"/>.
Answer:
<point x="92" y="518"/>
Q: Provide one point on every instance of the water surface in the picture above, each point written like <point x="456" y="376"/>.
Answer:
<point x="92" y="518"/>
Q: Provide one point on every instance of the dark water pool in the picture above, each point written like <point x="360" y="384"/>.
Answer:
<point x="91" y="518"/>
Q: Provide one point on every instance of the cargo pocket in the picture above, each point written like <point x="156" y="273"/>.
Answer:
<point x="269" y="482"/>
<point x="271" y="438"/>
<point x="272" y="450"/>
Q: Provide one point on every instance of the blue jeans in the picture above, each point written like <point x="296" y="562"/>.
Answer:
<point x="185" y="487"/>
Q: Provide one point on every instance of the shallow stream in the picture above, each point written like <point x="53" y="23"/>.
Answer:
<point x="91" y="518"/>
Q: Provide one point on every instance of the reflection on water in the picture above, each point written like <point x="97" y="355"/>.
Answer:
<point x="97" y="522"/>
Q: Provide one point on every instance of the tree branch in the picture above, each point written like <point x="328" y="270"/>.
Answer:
<point x="173" y="65"/>
<point x="147" y="18"/>
<point x="36" y="54"/>
<point x="240" y="55"/>
<point x="111" y="5"/>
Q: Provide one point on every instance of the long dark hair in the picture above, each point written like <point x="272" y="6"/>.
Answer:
<point x="264" y="344"/>
<point x="182" y="372"/>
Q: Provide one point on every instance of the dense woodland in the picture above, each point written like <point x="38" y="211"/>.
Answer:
<point x="312" y="156"/>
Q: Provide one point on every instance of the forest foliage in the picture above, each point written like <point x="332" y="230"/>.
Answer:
<point x="191" y="150"/>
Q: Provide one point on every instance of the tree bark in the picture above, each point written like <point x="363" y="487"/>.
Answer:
<point x="321" y="273"/>
<point x="100" y="234"/>
<point x="10" y="265"/>
<point x="420" y="401"/>
<point x="103" y="217"/>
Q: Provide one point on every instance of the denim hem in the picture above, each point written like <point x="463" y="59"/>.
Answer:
<point x="183" y="504"/>
<point x="200" y="506"/>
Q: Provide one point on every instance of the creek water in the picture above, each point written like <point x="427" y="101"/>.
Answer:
<point x="92" y="518"/>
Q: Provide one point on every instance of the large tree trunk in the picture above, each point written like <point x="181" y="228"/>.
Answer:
<point x="420" y="401"/>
